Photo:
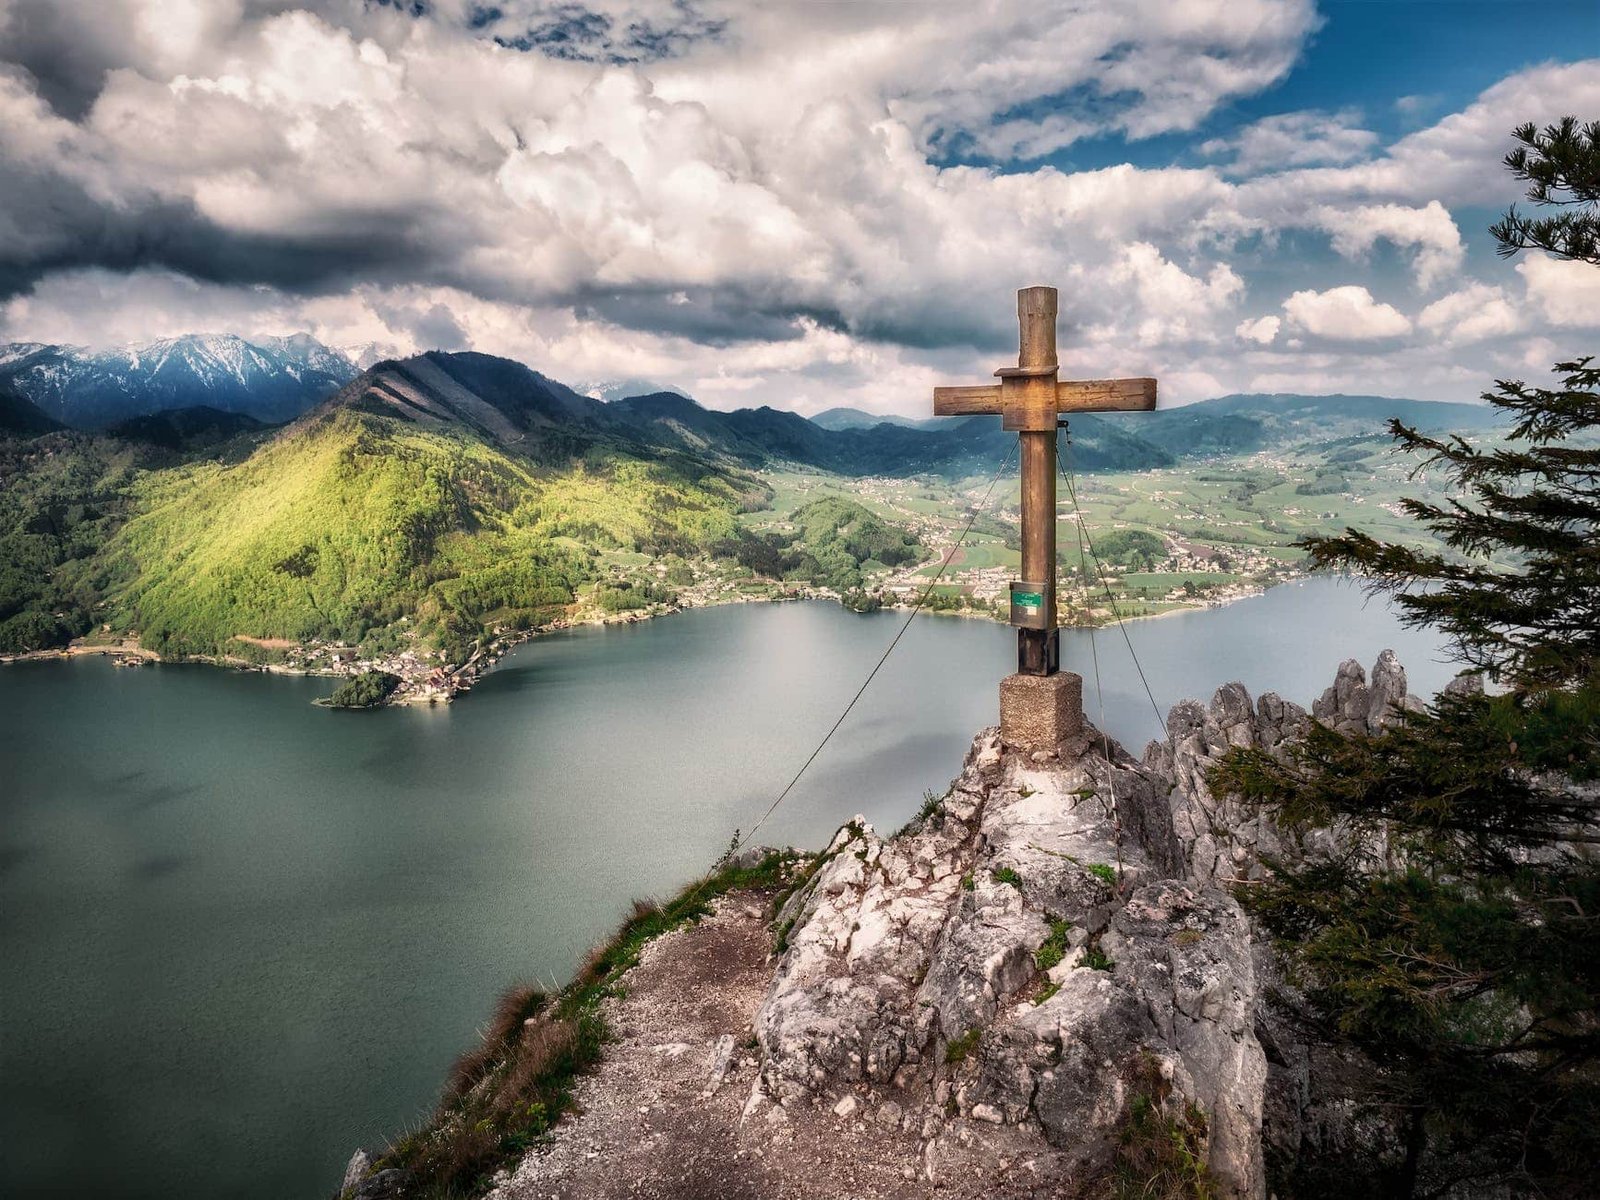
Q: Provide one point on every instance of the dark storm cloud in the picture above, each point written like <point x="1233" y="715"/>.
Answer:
<point x="728" y="316"/>
<point x="68" y="46"/>
<point x="246" y="146"/>
<point x="935" y="325"/>
<point x="759" y="190"/>
<point x="712" y="316"/>
<point x="67" y="66"/>
<point x="435" y="327"/>
<point x="58" y="227"/>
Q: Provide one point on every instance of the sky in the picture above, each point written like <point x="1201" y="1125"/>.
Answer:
<point x="802" y="204"/>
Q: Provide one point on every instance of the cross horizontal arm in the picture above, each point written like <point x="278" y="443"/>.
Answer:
<point x="965" y="401"/>
<point x="1072" y="395"/>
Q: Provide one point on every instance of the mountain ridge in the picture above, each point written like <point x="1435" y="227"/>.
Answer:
<point x="518" y="407"/>
<point x="521" y="407"/>
<point x="20" y="417"/>
<point x="272" y="379"/>
<point x="434" y="498"/>
<point x="844" y="417"/>
<point x="275" y="380"/>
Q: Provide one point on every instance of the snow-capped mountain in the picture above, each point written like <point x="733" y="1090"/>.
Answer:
<point x="611" y="390"/>
<point x="271" y="379"/>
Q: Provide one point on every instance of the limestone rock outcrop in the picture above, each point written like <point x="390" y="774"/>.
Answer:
<point x="1011" y="960"/>
<point x="1058" y="925"/>
<point x="1352" y="705"/>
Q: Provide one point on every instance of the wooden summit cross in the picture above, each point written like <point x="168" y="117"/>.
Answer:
<point x="1040" y="705"/>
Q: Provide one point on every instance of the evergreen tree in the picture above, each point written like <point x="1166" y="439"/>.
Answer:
<point x="1454" y="938"/>
<point x="1561" y="166"/>
<point x="1520" y="597"/>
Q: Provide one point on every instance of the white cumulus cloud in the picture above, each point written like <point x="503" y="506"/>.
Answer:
<point x="1262" y="330"/>
<point x="1345" y="314"/>
<point x="1567" y="293"/>
<point x="1173" y="305"/>
<point x="1429" y="232"/>
<point x="773" y="201"/>
<point x="1475" y="312"/>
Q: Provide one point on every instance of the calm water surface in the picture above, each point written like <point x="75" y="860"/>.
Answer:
<point x="241" y="935"/>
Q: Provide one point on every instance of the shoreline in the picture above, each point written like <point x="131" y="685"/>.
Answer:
<point x="443" y="684"/>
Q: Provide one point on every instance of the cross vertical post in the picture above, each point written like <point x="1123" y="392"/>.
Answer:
<point x="1033" y="400"/>
<point x="1041" y="706"/>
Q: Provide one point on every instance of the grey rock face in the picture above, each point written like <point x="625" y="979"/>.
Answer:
<point x="360" y="1164"/>
<point x="1344" y="705"/>
<point x="1190" y="953"/>
<point x="750" y="857"/>
<point x="1055" y="924"/>
<point x="1352" y="705"/>
<point x="387" y="1184"/>
<point x="914" y="964"/>
<point x="1219" y="841"/>
<point x="1386" y="695"/>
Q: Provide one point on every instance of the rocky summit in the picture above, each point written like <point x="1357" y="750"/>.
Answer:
<point x="1013" y="960"/>
<point x="1057" y="927"/>
<point x="1046" y="965"/>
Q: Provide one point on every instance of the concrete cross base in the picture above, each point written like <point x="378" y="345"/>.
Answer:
<point x="1039" y="712"/>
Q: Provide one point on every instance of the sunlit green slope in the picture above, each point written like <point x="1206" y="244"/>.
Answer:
<point x="360" y="527"/>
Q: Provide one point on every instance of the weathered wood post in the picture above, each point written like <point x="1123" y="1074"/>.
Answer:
<point x="1041" y="705"/>
<point x="1028" y="405"/>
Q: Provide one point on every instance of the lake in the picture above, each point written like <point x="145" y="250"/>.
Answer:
<point x="242" y="935"/>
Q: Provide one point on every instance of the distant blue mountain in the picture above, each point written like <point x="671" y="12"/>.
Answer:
<point x="855" y="418"/>
<point x="611" y="390"/>
<point x="270" y="379"/>
<point x="1244" y="424"/>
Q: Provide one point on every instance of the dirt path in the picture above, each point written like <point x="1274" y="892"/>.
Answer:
<point x="656" y="1121"/>
<point x="267" y="643"/>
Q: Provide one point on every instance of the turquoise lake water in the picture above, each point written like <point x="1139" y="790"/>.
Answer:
<point x="242" y="935"/>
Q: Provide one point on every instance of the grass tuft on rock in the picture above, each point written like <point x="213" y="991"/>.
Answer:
<point x="1096" y="959"/>
<point x="959" y="1047"/>
<point x="1161" y="1146"/>
<point x="930" y="815"/>
<point x="1054" y="947"/>
<point x="1104" y="872"/>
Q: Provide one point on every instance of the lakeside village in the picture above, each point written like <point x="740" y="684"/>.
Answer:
<point x="1192" y="576"/>
<point x="973" y="591"/>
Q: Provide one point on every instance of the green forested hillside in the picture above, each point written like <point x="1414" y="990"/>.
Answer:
<point x="357" y="527"/>
<point x="837" y="536"/>
<point x="830" y="543"/>
<point x="389" y="527"/>
<point x="61" y="496"/>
